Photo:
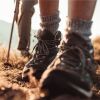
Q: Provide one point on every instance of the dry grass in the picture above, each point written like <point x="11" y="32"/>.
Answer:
<point x="17" y="62"/>
<point x="96" y="44"/>
<point x="11" y="89"/>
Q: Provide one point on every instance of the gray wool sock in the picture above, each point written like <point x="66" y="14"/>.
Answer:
<point x="83" y="27"/>
<point x="50" y="23"/>
<point x="80" y="26"/>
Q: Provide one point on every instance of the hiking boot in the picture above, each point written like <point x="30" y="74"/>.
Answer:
<point x="45" y="51"/>
<point x="71" y="71"/>
<point x="25" y="53"/>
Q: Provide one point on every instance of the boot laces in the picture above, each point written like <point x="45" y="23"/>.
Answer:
<point x="42" y="49"/>
<point x="74" y="57"/>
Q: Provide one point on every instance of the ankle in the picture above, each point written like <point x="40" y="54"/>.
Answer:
<point x="50" y="22"/>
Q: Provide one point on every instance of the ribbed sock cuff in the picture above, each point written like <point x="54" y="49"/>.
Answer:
<point x="83" y="27"/>
<point x="50" y="23"/>
<point x="80" y="26"/>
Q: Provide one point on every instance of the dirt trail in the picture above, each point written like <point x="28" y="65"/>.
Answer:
<point x="11" y="89"/>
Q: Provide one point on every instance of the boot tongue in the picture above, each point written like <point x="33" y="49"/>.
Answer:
<point x="45" y="35"/>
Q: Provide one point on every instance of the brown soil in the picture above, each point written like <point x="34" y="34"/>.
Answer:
<point x="11" y="89"/>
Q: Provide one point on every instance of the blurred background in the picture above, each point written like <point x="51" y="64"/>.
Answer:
<point x="6" y="17"/>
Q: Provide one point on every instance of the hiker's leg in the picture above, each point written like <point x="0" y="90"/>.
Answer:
<point x="72" y="70"/>
<point x="81" y="9"/>
<point x="48" y="38"/>
<point x="80" y="13"/>
<point x="26" y="10"/>
<point x="49" y="14"/>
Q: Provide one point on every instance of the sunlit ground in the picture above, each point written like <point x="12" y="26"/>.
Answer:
<point x="17" y="89"/>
